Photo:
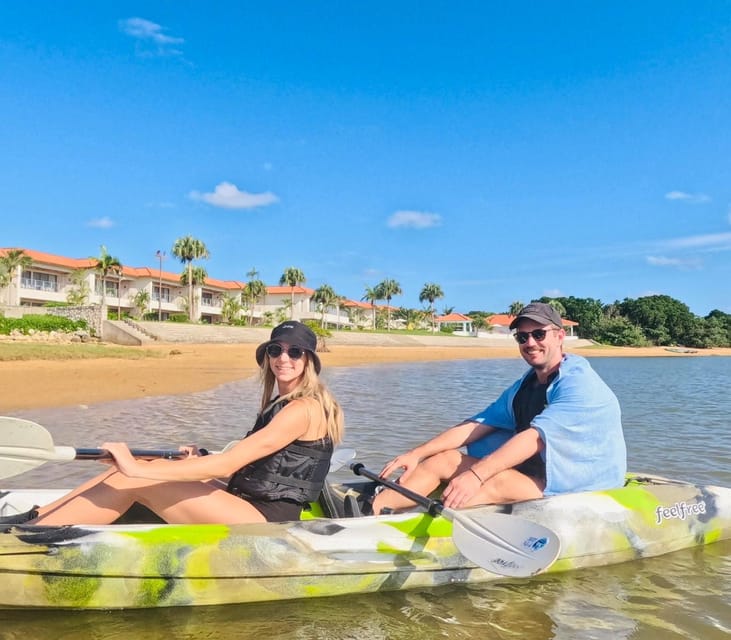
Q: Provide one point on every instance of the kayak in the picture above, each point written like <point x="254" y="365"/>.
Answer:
<point x="333" y="550"/>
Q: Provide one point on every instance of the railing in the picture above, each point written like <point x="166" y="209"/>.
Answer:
<point x="38" y="285"/>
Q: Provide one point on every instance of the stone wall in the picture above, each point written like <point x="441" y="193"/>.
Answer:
<point x="91" y="313"/>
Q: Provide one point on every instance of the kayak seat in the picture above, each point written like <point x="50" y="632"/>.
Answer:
<point x="347" y="501"/>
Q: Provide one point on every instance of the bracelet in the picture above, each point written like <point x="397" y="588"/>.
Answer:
<point x="477" y="476"/>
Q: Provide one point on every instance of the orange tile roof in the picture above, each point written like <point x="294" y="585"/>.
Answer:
<point x="453" y="317"/>
<point x="277" y="289"/>
<point x="504" y="320"/>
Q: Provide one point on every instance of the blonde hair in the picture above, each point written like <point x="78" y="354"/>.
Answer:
<point x="309" y="386"/>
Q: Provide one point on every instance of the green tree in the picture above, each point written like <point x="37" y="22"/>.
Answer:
<point x="78" y="294"/>
<point x="9" y="264"/>
<point x="619" y="331"/>
<point x="230" y="309"/>
<point x="588" y="312"/>
<point x="292" y="277"/>
<point x="193" y="277"/>
<point x="325" y="297"/>
<point x="253" y="291"/>
<point x="431" y="292"/>
<point x="479" y="322"/>
<point x="371" y="296"/>
<point x="140" y="301"/>
<point x="515" y="308"/>
<point x="186" y="250"/>
<point x="412" y="318"/>
<point x="104" y="265"/>
<point x="387" y="289"/>
<point x="663" y="319"/>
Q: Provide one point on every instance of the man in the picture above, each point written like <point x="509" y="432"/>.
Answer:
<point x="557" y="429"/>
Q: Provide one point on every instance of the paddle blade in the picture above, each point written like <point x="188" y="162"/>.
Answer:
<point x="504" y="544"/>
<point x="24" y="445"/>
<point x="341" y="456"/>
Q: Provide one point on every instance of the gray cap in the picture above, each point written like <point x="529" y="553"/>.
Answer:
<point x="538" y="312"/>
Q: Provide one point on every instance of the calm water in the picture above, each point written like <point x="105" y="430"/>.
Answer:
<point x="676" y="414"/>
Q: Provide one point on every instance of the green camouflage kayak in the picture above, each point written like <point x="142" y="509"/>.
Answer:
<point x="333" y="551"/>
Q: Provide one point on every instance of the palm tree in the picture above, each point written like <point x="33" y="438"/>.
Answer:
<point x="292" y="277"/>
<point x="325" y="296"/>
<point x="230" y="309"/>
<point x="198" y="277"/>
<point x="371" y="295"/>
<point x="78" y="294"/>
<point x="253" y="291"/>
<point x="9" y="264"/>
<point x="187" y="249"/>
<point x="515" y="308"/>
<point x="104" y="265"/>
<point x="431" y="292"/>
<point x="387" y="290"/>
<point x="558" y="306"/>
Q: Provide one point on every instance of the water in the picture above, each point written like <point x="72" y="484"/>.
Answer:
<point x="675" y="414"/>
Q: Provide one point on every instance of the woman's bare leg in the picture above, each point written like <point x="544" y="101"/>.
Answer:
<point x="103" y="499"/>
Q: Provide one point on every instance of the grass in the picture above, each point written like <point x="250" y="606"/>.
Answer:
<point x="35" y="351"/>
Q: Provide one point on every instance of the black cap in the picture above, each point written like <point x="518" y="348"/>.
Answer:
<point x="538" y="312"/>
<point x="295" y="334"/>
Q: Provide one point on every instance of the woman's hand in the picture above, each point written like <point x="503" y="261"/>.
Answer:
<point x="122" y="457"/>
<point x="407" y="461"/>
<point x="191" y="450"/>
<point x="460" y="489"/>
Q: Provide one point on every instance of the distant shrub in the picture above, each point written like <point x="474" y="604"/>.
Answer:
<point x="177" y="317"/>
<point x="29" y="323"/>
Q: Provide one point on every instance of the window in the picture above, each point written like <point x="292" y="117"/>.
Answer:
<point x="156" y="293"/>
<point x="39" y="281"/>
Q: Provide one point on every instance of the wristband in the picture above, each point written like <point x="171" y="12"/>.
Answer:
<point x="477" y="476"/>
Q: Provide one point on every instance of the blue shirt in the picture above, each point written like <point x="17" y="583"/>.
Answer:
<point x="581" y="427"/>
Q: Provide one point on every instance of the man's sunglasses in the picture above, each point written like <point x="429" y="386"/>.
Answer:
<point x="539" y="335"/>
<point x="294" y="353"/>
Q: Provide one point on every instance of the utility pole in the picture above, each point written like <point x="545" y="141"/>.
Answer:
<point x="160" y="256"/>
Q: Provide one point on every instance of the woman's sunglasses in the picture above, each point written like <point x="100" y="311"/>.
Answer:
<point x="294" y="353"/>
<point x="539" y="335"/>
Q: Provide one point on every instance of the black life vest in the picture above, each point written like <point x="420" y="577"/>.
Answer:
<point x="297" y="472"/>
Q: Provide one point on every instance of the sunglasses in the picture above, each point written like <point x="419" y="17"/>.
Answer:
<point x="294" y="353"/>
<point x="539" y="335"/>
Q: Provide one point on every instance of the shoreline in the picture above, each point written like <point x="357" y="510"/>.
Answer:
<point x="188" y="368"/>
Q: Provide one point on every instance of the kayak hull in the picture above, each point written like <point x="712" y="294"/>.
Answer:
<point x="161" y="565"/>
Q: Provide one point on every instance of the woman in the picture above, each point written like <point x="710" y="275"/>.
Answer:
<point x="273" y="472"/>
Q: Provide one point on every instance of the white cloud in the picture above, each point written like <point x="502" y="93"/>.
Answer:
<point x="553" y="293"/>
<point x="414" y="220"/>
<point x="679" y="263"/>
<point x="716" y="240"/>
<point x="691" y="198"/>
<point x="161" y="205"/>
<point x="150" y="33"/>
<point x="228" y="196"/>
<point x="105" y="222"/>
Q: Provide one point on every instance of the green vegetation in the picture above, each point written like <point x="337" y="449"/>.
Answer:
<point x="29" y="323"/>
<point x="657" y="320"/>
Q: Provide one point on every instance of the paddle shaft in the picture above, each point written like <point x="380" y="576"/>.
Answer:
<point x="434" y="507"/>
<point x="148" y="454"/>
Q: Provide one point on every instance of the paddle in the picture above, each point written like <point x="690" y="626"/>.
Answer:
<point x="499" y="542"/>
<point x="25" y="445"/>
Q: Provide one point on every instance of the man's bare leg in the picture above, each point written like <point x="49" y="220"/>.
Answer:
<point x="427" y="476"/>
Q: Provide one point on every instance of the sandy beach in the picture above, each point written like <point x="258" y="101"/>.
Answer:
<point x="187" y="368"/>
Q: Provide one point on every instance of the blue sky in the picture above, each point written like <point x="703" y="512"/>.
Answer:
<point x="504" y="151"/>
